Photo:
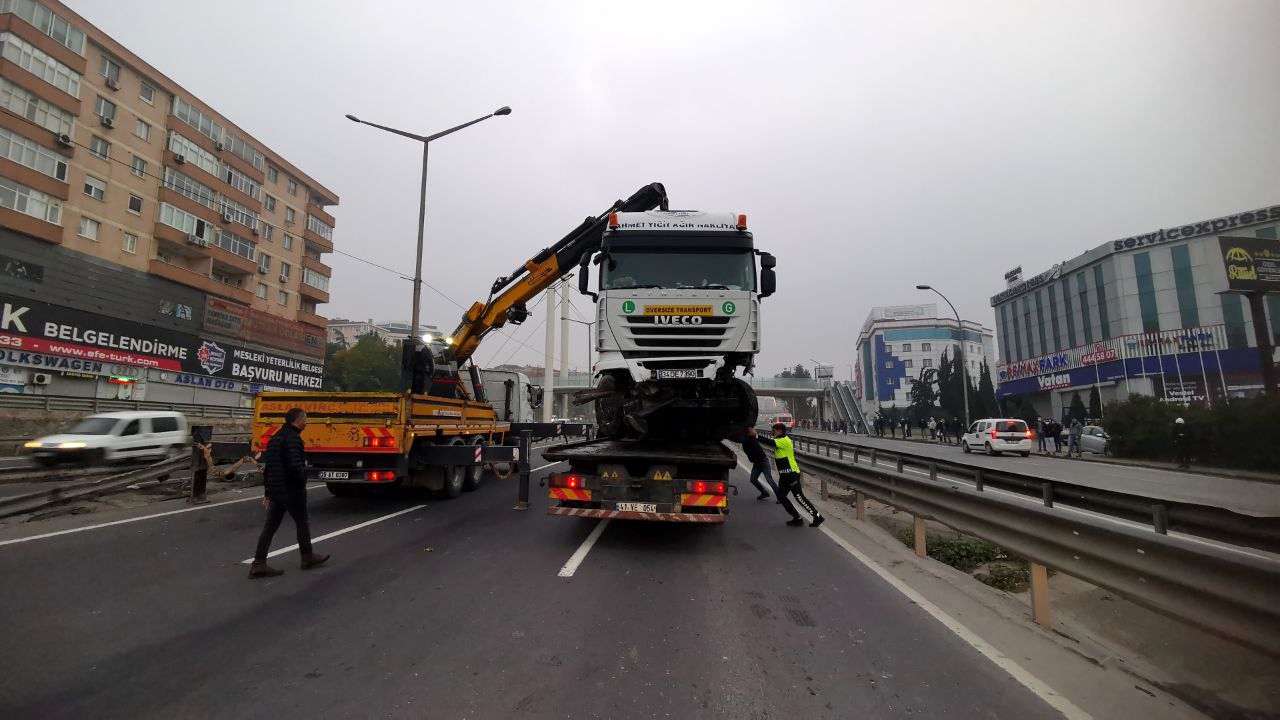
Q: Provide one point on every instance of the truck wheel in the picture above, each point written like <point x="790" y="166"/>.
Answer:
<point x="475" y="473"/>
<point x="609" y="409"/>
<point x="454" y="475"/>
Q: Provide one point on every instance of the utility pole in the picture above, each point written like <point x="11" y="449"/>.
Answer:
<point x="564" y="344"/>
<point x="548" y="389"/>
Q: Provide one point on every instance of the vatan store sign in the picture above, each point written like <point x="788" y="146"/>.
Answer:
<point x="1191" y="340"/>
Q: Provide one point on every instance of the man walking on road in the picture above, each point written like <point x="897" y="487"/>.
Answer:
<point x="1077" y="430"/>
<point x="1042" y="430"/>
<point x="285" y="481"/>
<point x="759" y="466"/>
<point x="789" y="476"/>
<point x="1182" y="443"/>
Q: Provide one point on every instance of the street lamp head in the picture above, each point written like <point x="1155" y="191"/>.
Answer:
<point x="504" y="110"/>
<point x="918" y="287"/>
<point x="353" y="118"/>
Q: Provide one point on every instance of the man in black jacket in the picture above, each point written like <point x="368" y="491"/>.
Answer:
<point x="285" y="481"/>
<point x="759" y="466"/>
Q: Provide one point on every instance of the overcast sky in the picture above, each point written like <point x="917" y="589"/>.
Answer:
<point x="874" y="145"/>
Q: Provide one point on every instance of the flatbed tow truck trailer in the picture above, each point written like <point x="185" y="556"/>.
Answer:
<point x="646" y="479"/>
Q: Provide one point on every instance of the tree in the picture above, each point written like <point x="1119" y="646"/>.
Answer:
<point x="1095" y="403"/>
<point x="923" y="397"/>
<point x="332" y="370"/>
<point x="987" y="393"/>
<point x="368" y="366"/>
<point x="1077" y="410"/>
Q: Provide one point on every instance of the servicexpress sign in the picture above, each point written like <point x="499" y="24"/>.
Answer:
<point x="35" y="327"/>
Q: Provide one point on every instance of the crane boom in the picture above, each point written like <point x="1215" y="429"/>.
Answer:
<point x="509" y="293"/>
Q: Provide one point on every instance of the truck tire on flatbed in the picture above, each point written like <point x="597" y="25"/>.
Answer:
<point x="454" y="475"/>
<point x="474" y="473"/>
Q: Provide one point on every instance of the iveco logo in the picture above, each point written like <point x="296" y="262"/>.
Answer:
<point x="677" y="319"/>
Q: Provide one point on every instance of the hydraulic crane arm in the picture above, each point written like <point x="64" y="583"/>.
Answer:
<point x="509" y="293"/>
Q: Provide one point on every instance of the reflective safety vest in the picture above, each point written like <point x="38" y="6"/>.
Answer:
<point x="785" y="455"/>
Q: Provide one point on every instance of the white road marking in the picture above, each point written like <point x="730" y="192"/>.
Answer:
<point x="544" y="467"/>
<point x="581" y="553"/>
<point x="336" y="533"/>
<point x="1052" y="697"/>
<point x="135" y="519"/>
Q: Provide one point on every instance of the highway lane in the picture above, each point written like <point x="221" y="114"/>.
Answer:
<point x="456" y="609"/>
<point x="1245" y="496"/>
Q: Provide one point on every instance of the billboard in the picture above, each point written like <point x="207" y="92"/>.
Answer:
<point x="1252" y="264"/>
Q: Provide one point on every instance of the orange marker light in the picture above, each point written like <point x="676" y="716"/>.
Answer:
<point x="742" y="222"/>
<point x="613" y="220"/>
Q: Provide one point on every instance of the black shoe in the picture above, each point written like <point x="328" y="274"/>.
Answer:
<point x="762" y="496"/>
<point x="795" y="522"/>
<point x="817" y="521"/>
<point x="311" y="560"/>
<point x="263" y="570"/>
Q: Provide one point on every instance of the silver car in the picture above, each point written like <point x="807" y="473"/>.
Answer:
<point x="1093" y="439"/>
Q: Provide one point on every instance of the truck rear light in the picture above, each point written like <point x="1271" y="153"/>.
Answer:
<point x="706" y="488"/>
<point x="381" y="476"/>
<point x="380" y="442"/>
<point x="568" y="481"/>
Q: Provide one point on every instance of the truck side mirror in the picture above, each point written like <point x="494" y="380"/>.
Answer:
<point x="768" y="280"/>
<point x="584" y="279"/>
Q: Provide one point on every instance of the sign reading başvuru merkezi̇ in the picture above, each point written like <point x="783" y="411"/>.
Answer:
<point x="27" y="325"/>
<point x="1252" y="264"/>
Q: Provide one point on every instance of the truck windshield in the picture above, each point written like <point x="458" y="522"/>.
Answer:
<point x="711" y="270"/>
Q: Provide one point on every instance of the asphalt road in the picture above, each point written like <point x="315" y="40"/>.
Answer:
<point x="1242" y="495"/>
<point x="457" y="610"/>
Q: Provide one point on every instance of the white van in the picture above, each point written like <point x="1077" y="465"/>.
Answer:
<point x="114" y="436"/>
<point x="997" y="435"/>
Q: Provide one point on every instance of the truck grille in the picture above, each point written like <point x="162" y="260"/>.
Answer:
<point x="645" y="332"/>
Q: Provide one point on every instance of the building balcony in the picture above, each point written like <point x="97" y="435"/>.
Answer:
<point x="317" y="240"/>
<point x="316" y="266"/>
<point x="313" y="293"/>
<point x="41" y="89"/>
<point x="319" y="213"/>
<point x="230" y="261"/>
<point x="34" y="180"/>
<point x="35" y="227"/>
<point x="312" y="319"/>
<point x="182" y="202"/>
<point x="13" y="24"/>
<point x="189" y="278"/>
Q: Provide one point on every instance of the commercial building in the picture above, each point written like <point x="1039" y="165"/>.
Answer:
<point x="1143" y="314"/>
<point x="901" y="343"/>
<point x="143" y="235"/>
<point x="346" y="332"/>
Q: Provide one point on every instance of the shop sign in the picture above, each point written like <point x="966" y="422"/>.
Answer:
<point x="1054" y="382"/>
<point x="1099" y="354"/>
<point x="1252" y="264"/>
<point x="224" y="317"/>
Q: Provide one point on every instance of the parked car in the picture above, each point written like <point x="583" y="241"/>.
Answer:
<point x="998" y="435"/>
<point x="114" y="436"/>
<point x="784" y="419"/>
<point x="1093" y="439"/>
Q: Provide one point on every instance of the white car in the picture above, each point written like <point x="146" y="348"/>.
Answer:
<point x="114" y="436"/>
<point x="998" y="435"/>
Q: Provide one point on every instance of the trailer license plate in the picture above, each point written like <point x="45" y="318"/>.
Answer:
<point x="680" y="374"/>
<point x="334" y="475"/>
<point x="637" y="507"/>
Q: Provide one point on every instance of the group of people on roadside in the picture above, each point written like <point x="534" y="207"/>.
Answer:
<point x="945" y="430"/>
<point x="789" y="481"/>
<point x="1048" y="429"/>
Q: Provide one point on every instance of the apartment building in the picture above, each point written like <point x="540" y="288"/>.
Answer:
<point x="152" y="237"/>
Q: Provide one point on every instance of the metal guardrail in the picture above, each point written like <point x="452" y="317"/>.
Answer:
<point x="1206" y="521"/>
<point x="83" y="404"/>
<point x="40" y="499"/>
<point x="1222" y="590"/>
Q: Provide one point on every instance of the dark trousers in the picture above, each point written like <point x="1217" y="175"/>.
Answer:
<point x="791" y="485"/>
<point x="761" y="467"/>
<point x="296" y="505"/>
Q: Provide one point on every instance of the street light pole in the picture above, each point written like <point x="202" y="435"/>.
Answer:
<point x="422" y="204"/>
<point x="590" y="342"/>
<point x="964" y="365"/>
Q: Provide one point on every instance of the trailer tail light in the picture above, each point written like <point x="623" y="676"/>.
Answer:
<point x="569" y="481"/>
<point x="380" y="442"/>
<point x="381" y="476"/>
<point x="706" y="488"/>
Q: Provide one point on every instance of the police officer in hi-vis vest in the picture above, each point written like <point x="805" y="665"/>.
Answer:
<point x="789" y="476"/>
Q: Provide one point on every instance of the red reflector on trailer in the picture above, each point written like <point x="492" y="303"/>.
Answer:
<point x="569" y="481"/>
<point x="380" y="442"/>
<point x="381" y="476"/>
<point x="701" y="487"/>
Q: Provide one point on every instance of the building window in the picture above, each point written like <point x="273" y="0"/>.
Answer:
<point x="907" y="364"/>
<point x="238" y="212"/>
<point x="105" y="109"/>
<point x="1044" y="343"/>
<point x="135" y="204"/>
<point x="1104" y="322"/>
<point x="202" y="123"/>
<point x="1004" y="334"/>
<point x="1026" y="321"/>
<point x="262" y="291"/>
<point x="89" y="228"/>
<point x="1053" y="316"/>
<point x="226" y="279"/>
<point x="20" y="198"/>
<point x="273" y="174"/>
<point x="317" y="226"/>
<point x="94" y="188"/>
<point x="906" y="347"/>
<point x="1233" y="317"/>
<point x="269" y="203"/>
<point x="194" y="154"/>
<point x="110" y="70"/>
<point x="1146" y="292"/>
<point x="235" y="244"/>
<point x="139" y="166"/>
<point x="48" y="23"/>
<point x="267" y="231"/>
<point x="184" y="221"/>
<point x="35" y="61"/>
<point x="1071" y="320"/>
<point x="264" y="262"/>
<point x="888" y="364"/>
<point x="25" y="104"/>
<point x="925" y="347"/>
<point x="130" y="243"/>
<point x="243" y="150"/>
<point x="1086" y="318"/>
<point x="315" y="279"/>
<point x="100" y="147"/>
<point x="1184" y="282"/>
<point x="927" y="363"/>
<point x="190" y="188"/>
<point x="293" y="186"/>
<point x="142" y="129"/>
<point x="241" y="182"/>
<point x="284" y="271"/>
<point x="288" y="214"/>
<point x="32" y="155"/>
<point x="147" y="94"/>
<point x="288" y="241"/>
<point x="284" y="298"/>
